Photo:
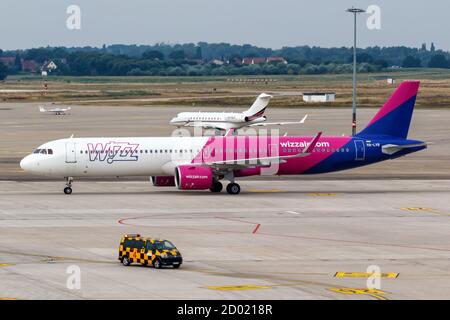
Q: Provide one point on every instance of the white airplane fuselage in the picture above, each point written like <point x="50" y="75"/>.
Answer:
<point x="220" y="120"/>
<point x="225" y="120"/>
<point x="78" y="157"/>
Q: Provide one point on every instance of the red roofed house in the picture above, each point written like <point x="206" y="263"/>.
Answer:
<point x="29" y="65"/>
<point x="9" y="61"/>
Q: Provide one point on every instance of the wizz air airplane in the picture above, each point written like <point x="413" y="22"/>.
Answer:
<point x="199" y="163"/>
<point x="252" y="117"/>
<point x="57" y="111"/>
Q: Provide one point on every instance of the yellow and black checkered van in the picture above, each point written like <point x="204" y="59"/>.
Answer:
<point x="148" y="251"/>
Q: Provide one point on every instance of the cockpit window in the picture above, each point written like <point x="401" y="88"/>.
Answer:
<point x="43" y="151"/>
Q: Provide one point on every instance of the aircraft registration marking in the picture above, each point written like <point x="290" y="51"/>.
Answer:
<point x="342" y="274"/>
<point x="238" y="287"/>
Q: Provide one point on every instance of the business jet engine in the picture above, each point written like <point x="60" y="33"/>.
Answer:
<point x="163" y="181"/>
<point x="189" y="177"/>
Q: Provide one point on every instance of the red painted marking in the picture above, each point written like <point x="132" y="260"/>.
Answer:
<point x="122" y="221"/>
<point x="257" y="227"/>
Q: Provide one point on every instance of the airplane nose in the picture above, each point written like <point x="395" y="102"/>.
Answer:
<point x="26" y="163"/>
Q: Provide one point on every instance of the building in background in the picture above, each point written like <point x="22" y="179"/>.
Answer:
<point x="254" y="60"/>
<point x="29" y="66"/>
<point x="391" y="81"/>
<point x="48" y="66"/>
<point x="319" y="96"/>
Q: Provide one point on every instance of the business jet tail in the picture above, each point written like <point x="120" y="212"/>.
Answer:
<point x="258" y="107"/>
<point x="42" y="109"/>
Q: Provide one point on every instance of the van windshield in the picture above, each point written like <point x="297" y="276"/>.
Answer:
<point x="164" y="245"/>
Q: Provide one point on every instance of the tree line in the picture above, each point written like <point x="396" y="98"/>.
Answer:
<point x="201" y="59"/>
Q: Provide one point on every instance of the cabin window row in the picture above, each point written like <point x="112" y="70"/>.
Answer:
<point x="140" y="151"/>
<point x="322" y="150"/>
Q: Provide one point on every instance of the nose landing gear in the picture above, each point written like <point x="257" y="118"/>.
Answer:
<point x="68" y="188"/>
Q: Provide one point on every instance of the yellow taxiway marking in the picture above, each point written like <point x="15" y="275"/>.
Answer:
<point x="315" y="194"/>
<point x="238" y="287"/>
<point x="371" y="292"/>
<point x="390" y="275"/>
<point x="5" y="265"/>
<point x="417" y="209"/>
<point x="7" y="298"/>
<point x="265" y="190"/>
<point x="425" y="209"/>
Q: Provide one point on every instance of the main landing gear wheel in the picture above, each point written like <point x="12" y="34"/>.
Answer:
<point x="216" y="187"/>
<point x="233" y="188"/>
<point x="68" y="188"/>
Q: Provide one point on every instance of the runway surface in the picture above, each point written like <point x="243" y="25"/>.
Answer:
<point x="276" y="240"/>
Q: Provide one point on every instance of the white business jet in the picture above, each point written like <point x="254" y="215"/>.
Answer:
<point x="252" y="117"/>
<point x="57" y="111"/>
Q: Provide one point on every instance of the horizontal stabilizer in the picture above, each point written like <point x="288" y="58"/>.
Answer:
<point x="393" y="148"/>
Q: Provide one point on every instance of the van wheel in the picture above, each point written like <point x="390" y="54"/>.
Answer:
<point x="176" y="266"/>
<point x="157" y="264"/>
<point x="125" y="261"/>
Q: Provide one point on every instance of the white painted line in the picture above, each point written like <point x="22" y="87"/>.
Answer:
<point x="293" y="212"/>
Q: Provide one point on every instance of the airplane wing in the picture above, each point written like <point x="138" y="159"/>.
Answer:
<point x="235" y="164"/>
<point x="263" y="124"/>
<point x="206" y="125"/>
<point x="393" y="148"/>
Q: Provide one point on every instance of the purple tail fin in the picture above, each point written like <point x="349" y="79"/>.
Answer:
<point x="394" y="118"/>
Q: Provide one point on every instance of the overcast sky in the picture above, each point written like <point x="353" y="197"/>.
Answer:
<point x="30" y="23"/>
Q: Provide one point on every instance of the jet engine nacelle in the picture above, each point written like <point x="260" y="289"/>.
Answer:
<point x="255" y="120"/>
<point x="163" y="181"/>
<point x="188" y="177"/>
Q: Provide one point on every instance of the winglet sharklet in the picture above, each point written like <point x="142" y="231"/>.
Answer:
<point x="312" y="144"/>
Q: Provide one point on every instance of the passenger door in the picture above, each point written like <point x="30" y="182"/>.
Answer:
<point x="360" y="150"/>
<point x="71" y="152"/>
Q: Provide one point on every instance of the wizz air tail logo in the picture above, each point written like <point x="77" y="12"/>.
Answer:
<point x="113" y="151"/>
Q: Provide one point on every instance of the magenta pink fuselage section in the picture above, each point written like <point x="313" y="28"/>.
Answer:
<point x="248" y="148"/>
